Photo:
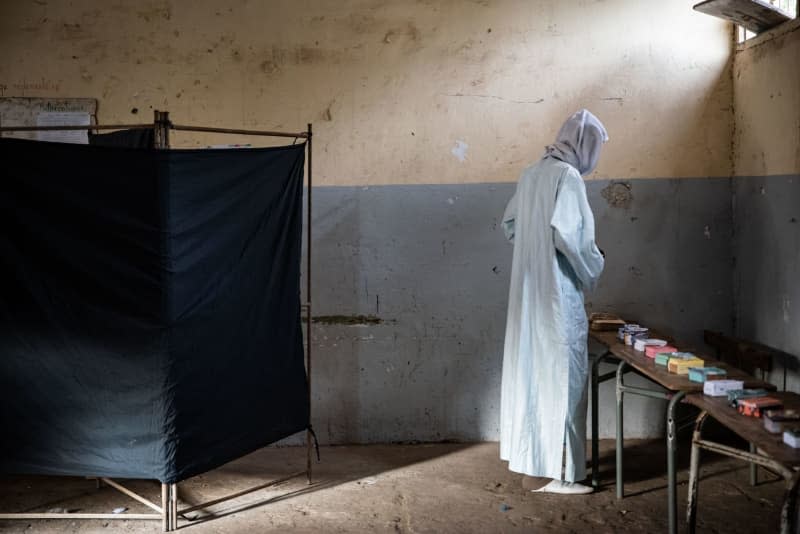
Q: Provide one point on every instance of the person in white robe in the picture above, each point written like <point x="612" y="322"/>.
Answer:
<point x="545" y="359"/>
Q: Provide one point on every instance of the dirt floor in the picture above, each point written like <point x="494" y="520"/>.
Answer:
<point x="413" y="488"/>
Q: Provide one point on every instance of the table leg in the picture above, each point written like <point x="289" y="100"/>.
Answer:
<point x="596" y="419"/>
<point x="789" y="509"/>
<point x="620" y="431"/>
<point x="672" y="447"/>
<point x="753" y="467"/>
<point x="694" y="475"/>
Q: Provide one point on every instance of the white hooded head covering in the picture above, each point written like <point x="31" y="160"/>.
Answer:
<point x="579" y="141"/>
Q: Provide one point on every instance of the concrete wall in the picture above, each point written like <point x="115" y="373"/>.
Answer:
<point x="431" y="263"/>
<point x="767" y="254"/>
<point x="425" y="113"/>
<point x="394" y="85"/>
<point x="767" y="193"/>
<point x="767" y="104"/>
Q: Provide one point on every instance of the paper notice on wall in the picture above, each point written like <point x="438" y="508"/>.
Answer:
<point x="63" y="118"/>
<point x="19" y="111"/>
<point x="235" y="145"/>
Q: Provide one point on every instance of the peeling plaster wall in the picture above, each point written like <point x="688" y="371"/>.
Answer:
<point x="404" y="94"/>
<point x="400" y="92"/>
<point x="767" y="194"/>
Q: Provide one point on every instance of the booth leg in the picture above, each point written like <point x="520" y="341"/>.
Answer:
<point x="308" y="455"/>
<point x="173" y="507"/>
<point x="165" y="507"/>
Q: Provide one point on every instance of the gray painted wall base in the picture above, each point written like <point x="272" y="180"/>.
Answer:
<point x="766" y="248"/>
<point x="431" y="264"/>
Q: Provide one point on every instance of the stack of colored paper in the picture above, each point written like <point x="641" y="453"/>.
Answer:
<point x="735" y="394"/>
<point x="701" y="374"/>
<point x="642" y="344"/>
<point x="776" y="421"/>
<point x="651" y="352"/>
<point x="662" y="358"/>
<point x="681" y="366"/>
<point x="720" y="388"/>
<point x="791" y="437"/>
<point x="756" y="406"/>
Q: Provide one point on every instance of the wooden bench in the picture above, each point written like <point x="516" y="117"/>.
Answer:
<point x="751" y="357"/>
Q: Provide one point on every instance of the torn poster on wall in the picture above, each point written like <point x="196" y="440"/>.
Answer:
<point x="63" y="118"/>
<point x="18" y="111"/>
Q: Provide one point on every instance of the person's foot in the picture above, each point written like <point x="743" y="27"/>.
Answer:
<point x="534" y="483"/>
<point x="564" y="488"/>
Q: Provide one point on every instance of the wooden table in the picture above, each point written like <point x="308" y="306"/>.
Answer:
<point x="677" y="386"/>
<point x="766" y="449"/>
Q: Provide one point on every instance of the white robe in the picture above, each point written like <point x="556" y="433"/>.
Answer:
<point x="545" y="361"/>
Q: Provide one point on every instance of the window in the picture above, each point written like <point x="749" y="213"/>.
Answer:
<point x="751" y="16"/>
<point x="790" y="7"/>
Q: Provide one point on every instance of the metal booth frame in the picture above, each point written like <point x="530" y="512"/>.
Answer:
<point x="168" y="510"/>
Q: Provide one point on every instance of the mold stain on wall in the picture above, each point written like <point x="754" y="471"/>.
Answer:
<point x="618" y="194"/>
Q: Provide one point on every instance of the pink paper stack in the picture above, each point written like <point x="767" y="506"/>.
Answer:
<point x="652" y="350"/>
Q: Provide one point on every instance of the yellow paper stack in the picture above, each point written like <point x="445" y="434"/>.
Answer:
<point x="680" y="366"/>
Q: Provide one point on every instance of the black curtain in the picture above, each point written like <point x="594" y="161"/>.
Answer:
<point x="149" y="307"/>
<point x="131" y="138"/>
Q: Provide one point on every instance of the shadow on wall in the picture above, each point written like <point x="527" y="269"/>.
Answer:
<point x="767" y="257"/>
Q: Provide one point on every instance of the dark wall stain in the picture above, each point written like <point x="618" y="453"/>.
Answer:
<point x="349" y="320"/>
<point x="71" y="32"/>
<point x="269" y="67"/>
<point x="618" y="194"/>
<point x="409" y="31"/>
<point x="276" y="58"/>
<point x="307" y="54"/>
<point x="361" y="23"/>
<point x="327" y="116"/>
<point x="154" y="13"/>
